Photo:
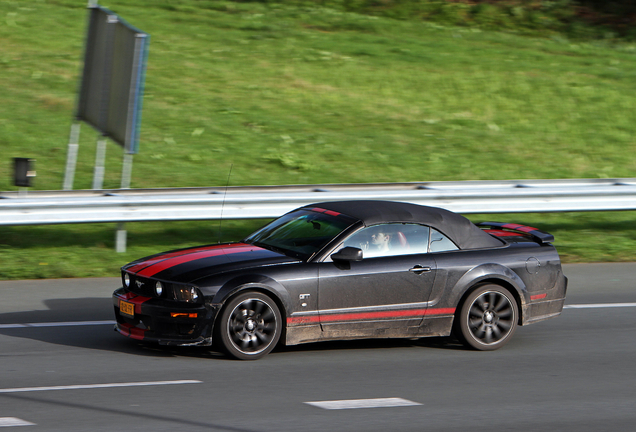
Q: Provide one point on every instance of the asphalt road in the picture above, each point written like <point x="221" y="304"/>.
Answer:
<point x="573" y="373"/>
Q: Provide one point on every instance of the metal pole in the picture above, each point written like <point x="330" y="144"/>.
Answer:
<point x="120" y="238"/>
<point x="126" y="174"/>
<point x="126" y="170"/>
<point x="100" y="157"/>
<point x="71" y="158"/>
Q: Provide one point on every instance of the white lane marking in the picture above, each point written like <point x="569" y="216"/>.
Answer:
<point x="598" y="305"/>
<point x="363" y="403"/>
<point x="97" y="386"/>
<point x="57" y="324"/>
<point x="14" y="421"/>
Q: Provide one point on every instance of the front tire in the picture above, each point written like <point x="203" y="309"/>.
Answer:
<point x="250" y="326"/>
<point x="487" y="318"/>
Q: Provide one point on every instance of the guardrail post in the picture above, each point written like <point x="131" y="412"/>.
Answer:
<point x="120" y="238"/>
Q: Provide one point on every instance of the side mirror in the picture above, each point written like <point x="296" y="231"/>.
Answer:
<point x="348" y="254"/>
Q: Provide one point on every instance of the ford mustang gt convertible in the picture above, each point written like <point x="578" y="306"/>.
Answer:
<point x="346" y="270"/>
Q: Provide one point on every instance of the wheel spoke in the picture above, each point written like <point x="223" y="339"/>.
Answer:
<point x="488" y="335"/>
<point x="239" y="316"/>
<point x="265" y="327"/>
<point x="502" y="302"/>
<point x="475" y="322"/>
<point x="259" y="307"/>
<point x="480" y="331"/>
<point x="507" y="313"/>
<point x="505" y="325"/>
<point x="236" y="328"/>
<point x="480" y="303"/>
<point x="264" y="338"/>
<point x="475" y="312"/>
<point x="492" y="299"/>
<point x="244" y="343"/>
<point x="268" y="315"/>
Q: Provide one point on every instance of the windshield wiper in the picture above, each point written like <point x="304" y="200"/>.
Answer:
<point x="272" y="248"/>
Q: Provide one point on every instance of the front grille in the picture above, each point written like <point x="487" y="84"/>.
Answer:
<point x="142" y="286"/>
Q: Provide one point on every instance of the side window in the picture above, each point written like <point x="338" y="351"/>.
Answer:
<point x="441" y="243"/>
<point x="390" y="239"/>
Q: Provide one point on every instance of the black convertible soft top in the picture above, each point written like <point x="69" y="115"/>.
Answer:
<point x="460" y="230"/>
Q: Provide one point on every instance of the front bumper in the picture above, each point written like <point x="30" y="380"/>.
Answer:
<point x="163" y="321"/>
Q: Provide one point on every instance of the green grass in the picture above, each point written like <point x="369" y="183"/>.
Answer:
<point x="89" y="250"/>
<point x="304" y="95"/>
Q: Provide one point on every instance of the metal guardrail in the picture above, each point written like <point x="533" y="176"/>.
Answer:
<point x="264" y="202"/>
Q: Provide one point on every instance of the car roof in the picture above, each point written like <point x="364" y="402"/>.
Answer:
<point x="460" y="230"/>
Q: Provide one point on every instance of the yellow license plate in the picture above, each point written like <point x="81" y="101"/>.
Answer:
<point x="126" y="308"/>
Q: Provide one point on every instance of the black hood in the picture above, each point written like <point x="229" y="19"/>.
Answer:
<point x="188" y="265"/>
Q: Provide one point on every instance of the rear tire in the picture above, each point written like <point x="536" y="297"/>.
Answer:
<point x="249" y="326"/>
<point x="488" y="318"/>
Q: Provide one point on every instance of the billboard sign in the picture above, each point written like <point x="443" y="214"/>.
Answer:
<point x="111" y="91"/>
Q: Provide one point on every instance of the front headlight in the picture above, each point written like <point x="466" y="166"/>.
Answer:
<point x="126" y="280"/>
<point x="158" y="288"/>
<point x="186" y="294"/>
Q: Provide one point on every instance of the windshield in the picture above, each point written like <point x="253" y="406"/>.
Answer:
<point x="301" y="233"/>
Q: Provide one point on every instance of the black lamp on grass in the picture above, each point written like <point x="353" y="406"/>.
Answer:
<point x="23" y="172"/>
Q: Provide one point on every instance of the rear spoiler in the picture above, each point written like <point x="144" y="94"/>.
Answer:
<point x="537" y="235"/>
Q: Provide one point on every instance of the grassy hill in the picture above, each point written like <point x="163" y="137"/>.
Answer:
<point x="303" y="94"/>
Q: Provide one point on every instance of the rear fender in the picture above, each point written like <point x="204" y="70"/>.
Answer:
<point x="490" y="273"/>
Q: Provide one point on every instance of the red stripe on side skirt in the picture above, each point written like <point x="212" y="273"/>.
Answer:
<point x="173" y="261"/>
<point x="303" y="320"/>
<point x="361" y="316"/>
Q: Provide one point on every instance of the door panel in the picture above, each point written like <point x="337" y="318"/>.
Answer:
<point x="375" y="293"/>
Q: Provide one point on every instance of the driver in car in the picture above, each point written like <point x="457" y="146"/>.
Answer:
<point x="380" y="242"/>
<point x="374" y="241"/>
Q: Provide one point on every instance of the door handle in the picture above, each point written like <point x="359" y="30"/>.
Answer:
<point x="418" y="269"/>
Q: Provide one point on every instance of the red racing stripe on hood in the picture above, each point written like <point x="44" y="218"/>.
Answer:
<point x="166" y="263"/>
<point x="141" y="265"/>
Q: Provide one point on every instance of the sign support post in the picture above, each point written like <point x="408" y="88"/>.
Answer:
<point x="71" y="158"/>
<point x="126" y="170"/>
<point x="126" y="173"/>
<point x="100" y="158"/>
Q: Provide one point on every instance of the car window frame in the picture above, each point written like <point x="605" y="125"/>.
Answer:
<point x="421" y="251"/>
